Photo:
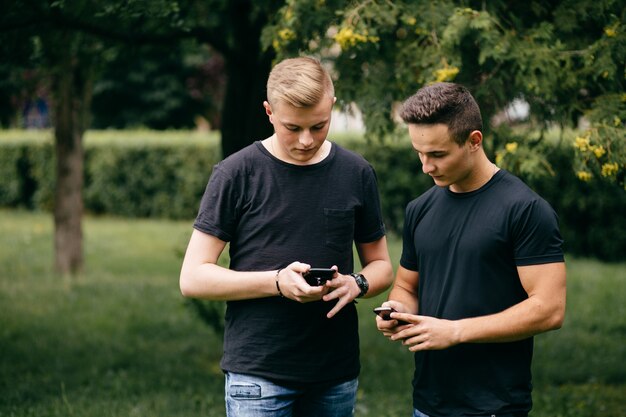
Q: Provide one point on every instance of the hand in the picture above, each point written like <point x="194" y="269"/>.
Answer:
<point x="342" y="288"/>
<point x="293" y="286"/>
<point x="426" y="333"/>
<point x="391" y="327"/>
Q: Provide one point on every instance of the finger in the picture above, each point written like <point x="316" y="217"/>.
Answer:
<point x="340" y="304"/>
<point x="405" y="317"/>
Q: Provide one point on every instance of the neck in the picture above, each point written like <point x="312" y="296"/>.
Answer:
<point x="477" y="177"/>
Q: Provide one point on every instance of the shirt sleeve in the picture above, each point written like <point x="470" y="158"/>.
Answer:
<point x="537" y="236"/>
<point x="217" y="215"/>
<point x="408" y="259"/>
<point x="369" y="221"/>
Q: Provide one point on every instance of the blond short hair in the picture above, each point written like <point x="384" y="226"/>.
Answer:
<point x="300" y="82"/>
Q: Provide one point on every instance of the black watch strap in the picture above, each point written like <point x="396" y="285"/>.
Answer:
<point x="362" y="283"/>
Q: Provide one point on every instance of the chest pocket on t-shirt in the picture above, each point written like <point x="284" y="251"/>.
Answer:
<point x="339" y="228"/>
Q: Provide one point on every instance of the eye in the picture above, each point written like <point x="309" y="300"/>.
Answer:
<point x="292" y="128"/>
<point x="318" y="127"/>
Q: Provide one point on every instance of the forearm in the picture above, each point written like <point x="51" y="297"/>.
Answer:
<point x="406" y="296"/>
<point x="210" y="281"/>
<point x="543" y="310"/>
<point x="379" y="274"/>
<point x="528" y="318"/>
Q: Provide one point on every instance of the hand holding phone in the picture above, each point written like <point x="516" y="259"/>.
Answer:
<point x="316" y="277"/>
<point x="385" y="314"/>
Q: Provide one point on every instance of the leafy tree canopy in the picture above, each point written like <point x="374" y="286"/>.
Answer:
<point x="566" y="59"/>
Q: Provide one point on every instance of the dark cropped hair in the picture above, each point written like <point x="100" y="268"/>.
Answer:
<point x="446" y="103"/>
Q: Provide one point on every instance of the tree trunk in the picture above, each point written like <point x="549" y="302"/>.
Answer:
<point x="247" y="68"/>
<point x="243" y="117"/>
<point x="72" y="93"/>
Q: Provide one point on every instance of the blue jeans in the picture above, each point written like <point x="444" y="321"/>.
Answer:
<point x="252" y="396"/>
<point x="418" y="413"/>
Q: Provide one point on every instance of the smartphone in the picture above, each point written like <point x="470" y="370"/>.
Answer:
<point x="318" y="276"/>
<point x="384" y="313"/>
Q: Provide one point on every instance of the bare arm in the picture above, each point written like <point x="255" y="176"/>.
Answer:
<point x="377" y="270"/>
<point x="543" y="310"/>
<point x="201" y="277"/>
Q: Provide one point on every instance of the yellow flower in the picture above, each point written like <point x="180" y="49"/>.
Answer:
<point x="286" y="34"/>
<point x="598" y="151"/>
<point x="581" y="143"/>
<point x="617" y="121"/>
<point x="584" y="176"/>
<point x="499" y="158"/>
<point x="288" y="13"/>
<point x="347" y="38"/>
<point x="445" y="74"/>
<point x="610" y="32"/>
<point x="411" y="21"/>
<point x="609" y="169"/>
<point x="511" y="147"/>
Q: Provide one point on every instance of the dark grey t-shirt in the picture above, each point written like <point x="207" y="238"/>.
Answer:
<point x="274" y="213"/>
<point x="466" y="247"/>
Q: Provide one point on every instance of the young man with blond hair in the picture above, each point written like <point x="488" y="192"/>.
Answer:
<point x="285" y="204"/>
<point x="481" y="271"/>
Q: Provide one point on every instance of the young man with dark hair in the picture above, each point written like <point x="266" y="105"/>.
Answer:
<point x="481" y="272"/>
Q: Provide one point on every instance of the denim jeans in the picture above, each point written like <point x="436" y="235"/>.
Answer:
<point x="252" y="396"/>
<point x="418" y="413"/>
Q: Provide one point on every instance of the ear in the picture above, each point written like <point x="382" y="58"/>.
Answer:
<point x="268" y="110"/>
<point x="475" y="140"/>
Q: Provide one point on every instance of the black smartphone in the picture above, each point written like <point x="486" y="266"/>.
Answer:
<point x="384" y="313"/>
<point x="318" y="276"/>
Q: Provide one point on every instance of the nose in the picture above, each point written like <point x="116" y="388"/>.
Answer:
<point x="306" y="138"/>
<point x="427" y="167"/>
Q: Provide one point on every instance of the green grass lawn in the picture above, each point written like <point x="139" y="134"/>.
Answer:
<point x="121" y="341"/>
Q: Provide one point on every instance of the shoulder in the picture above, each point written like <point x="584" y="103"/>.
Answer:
<point x="242" y="161"/>
<point x="347" y="156"/>
<point x="516" y="192"/>
<point x="424" y="199"/>
<point x="526" y="210"/>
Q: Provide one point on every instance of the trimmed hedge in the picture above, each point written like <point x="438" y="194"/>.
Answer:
<point x="150" y="174"/>
<point x="163" y="175"/>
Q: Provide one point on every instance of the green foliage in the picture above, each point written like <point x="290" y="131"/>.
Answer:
<point x="601" y="150"/>
<point x="11" y="186"/>
<point x="400" y="177"/>
<point x="159" y="88"/>
<point x="119" y="341"/>
<point x="163" y="174"/>
<point x="566" y="58"/>
<point x="136" y="174"/>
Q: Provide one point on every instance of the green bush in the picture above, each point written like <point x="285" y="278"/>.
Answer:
<point x="591" y="215"/>
<point x="163" y="175"/>
<point x="131" y="174"/>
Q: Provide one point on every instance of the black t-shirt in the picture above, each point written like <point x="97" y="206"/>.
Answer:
<point x="274" y="213"/>
<point x="467" y="247"/>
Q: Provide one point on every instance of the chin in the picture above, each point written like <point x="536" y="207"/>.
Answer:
<point x="441" y="182"/>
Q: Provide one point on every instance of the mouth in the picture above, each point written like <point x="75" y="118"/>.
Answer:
<point x="306" y="151"/>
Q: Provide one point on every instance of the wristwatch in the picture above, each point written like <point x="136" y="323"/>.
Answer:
<point x="362" y="283"/>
